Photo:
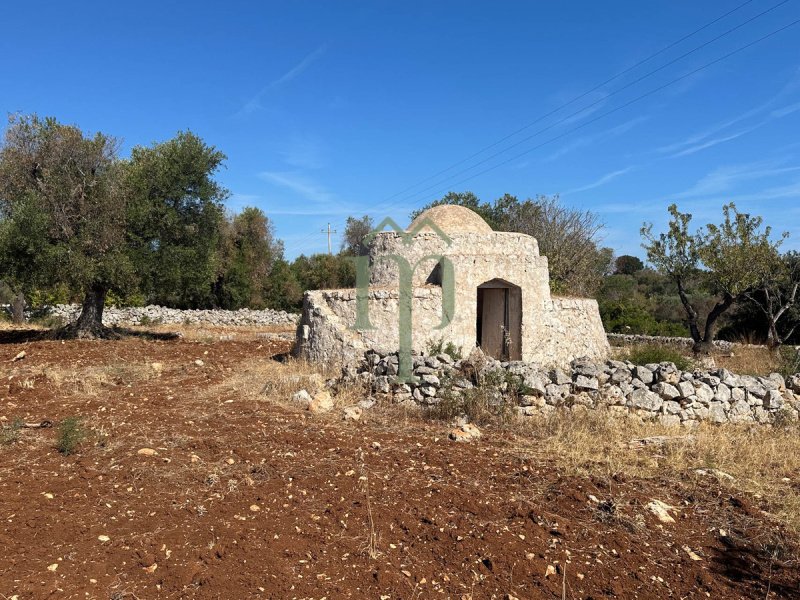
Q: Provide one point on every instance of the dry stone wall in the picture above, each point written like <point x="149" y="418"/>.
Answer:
<point x="659" y="392"/>
<point x="172" y="316"/>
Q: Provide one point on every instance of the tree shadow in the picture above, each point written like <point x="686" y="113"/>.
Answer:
<point x="24" y="336"/>
<point x="763" y="569"/>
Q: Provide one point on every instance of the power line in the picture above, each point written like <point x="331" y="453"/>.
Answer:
<point x="603" y="115"/>
<point x="576" y="98"/>
<point x="595" y="103"/>
<point x="637" y="99"/>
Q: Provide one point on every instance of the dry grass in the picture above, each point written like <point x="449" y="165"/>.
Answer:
<point x="764" y="462"/>
<point x="90" y="381"/>
<point x="754" y="360"/>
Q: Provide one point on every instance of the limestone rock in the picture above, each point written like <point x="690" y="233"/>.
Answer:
<point x="352" y="413"/>
<point x="645" y="400"/>
<point x="322" y="402"/>
<point x="465" y="433"/>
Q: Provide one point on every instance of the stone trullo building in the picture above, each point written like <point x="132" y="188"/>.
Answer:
<point x="497" y="297"/>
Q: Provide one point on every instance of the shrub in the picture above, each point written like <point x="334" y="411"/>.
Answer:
<point x="439" y="347"/>
<point x="789" y="361"/>
<point x="70" y="435"/>
<point x="482" y="404"/>
<point x="10" y="433"/>
<point x="655" y="353"/>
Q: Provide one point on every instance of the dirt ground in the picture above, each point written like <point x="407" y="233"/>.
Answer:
<point x="246" y="497"/>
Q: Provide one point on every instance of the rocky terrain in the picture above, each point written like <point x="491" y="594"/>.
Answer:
<point x="195" y="476"/>
<point x="653" y="391"/>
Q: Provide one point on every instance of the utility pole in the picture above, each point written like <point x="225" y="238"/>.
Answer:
<point x="329" y="231"/>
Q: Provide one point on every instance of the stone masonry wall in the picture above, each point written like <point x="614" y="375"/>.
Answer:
<point x="136" y="315"/>
<point x="652" y="392"/>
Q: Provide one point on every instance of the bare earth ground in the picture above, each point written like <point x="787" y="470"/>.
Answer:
<point x="250" y="497"/>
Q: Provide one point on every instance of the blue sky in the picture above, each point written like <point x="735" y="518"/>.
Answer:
<point x="329" y="109"/>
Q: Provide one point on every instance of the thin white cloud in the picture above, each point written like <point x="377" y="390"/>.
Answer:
<point x="599" y="182"/>
<point x="718" y="134"/>
<point x="588" y="140"/>
<point x="254" y="103"/>
<point x="786" y="110"/>
<point x="725" y="179"/>
<point x="299" y="184"/>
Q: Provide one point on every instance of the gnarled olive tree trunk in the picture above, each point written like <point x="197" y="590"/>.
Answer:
<point x="90" y="322"/>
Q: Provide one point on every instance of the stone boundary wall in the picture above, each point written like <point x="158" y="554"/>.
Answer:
<point x="658" y="392"/>
<point x="631" y="338"/>
<point x="136" y="315"/>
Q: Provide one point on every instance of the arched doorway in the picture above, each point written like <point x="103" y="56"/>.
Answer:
<point x="499" y="320"/>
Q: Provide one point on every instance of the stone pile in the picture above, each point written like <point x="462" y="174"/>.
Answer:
<point x="630" y="338"/>
<point x="654" y="391"/>
<point x="139" y="315"/>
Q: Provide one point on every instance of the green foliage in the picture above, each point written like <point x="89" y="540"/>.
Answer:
<point x="733" y="258"/>
<point x="790" y="361"/>
<point x="323" y="271"/>
<point x="64" y="208"/>
<point x="70" y="434"/>
<point x="354" y="233"/>
<point x="645" y="354"/>
<point x="248" y="253"/>
<point x="627" y="265"/>
<point x="482" y="404"/>
<point x="440" y="347"/>
<point x="175" y="218"/>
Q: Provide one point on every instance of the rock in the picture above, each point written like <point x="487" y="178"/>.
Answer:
<point x="774" y="381"/>
<point x="773" y="400"/>
<point x="794" y="383"/>
<point x="685" y="388"/>
<point x="20" y="355"/>
<point x="645" y="400"/>
<point x="352" y="413"/>
<point x="146" y="452"/>
<point x="157" y="367"/>
<point x="714" y="473"/>
<point x="367" y="403"/>
<point x="668" y="373"/>
<point x="703" y="392"/>
<point x="583" y="382"/>
<point x="621" y="375"/>
<point x="584" y="366"/>
<point x="643" y="374"/>
<point x="321" y="403"/>
<point x="661" y="510"/>
<point x="740" y="408"/>
<point x="723" y="393"/>
<point x="716" y="413"/>
<point x="737" y="394"/>
<point x="465" y="433"/>
<point x="559" y="377"/>
<point x="431" y="380"/>
<point x="445" y="359"/>
<point x="671" y="407"/>
<point x="302" y="397"/>
<point x="753" y="386"/>
<point x="536" y="382"/>
<point x="666" y="391"/>
<point x="199" y="362"/>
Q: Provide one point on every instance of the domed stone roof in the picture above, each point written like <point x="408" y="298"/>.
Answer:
<point x="451" y="218"/>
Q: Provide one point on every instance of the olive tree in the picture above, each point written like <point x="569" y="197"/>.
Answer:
<point x="73" y="213"/>
<point x="732" y="256"/>
<point x="63" y="212"/>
